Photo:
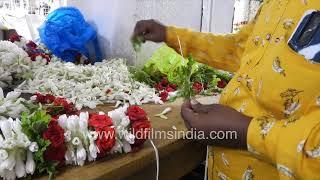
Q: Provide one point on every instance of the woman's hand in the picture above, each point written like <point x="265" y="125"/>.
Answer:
<point x="214" y="119"/>
<point x="150" y="30"/>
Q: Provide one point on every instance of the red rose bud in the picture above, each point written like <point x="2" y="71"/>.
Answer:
<point x="197" y="87"/>
<point x="164" y="82"/>
<point x="106" y="140"/>
<point x="135" y="113"/>
<point x="99" y="121"/>
<point x="15" y="37"/>
<point x="222" y="84"/>
<point x="164" y="96"/>
<point x="141" y="130"/>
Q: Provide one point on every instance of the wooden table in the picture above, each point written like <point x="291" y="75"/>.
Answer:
<point x="177" y="156"/>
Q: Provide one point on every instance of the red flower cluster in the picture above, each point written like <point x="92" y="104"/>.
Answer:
<point x="57" y="148"/>
<point x="31" y="48"/>
<point x="44" y="99"/>
<point x="68" y="107"/>
<point x="140" y="125"/>
<point x="197" y="87"/>
<point x="102" y="124"/>
<point x="58" y="105"/>
<point x="164" y="87"/>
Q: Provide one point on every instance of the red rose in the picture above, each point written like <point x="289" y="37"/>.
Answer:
<point x="55" y="134"/>
<point x="106" y="140"/>
<point x="68" y="107"/>
<point x="158" y="87"/>
<point x="164" y="82"/>
<point x="55" y="154"/>
<point x="170" y="89"/>
<point x="174" y="86"/>
<point x="31" y="45"/>
<point x="197" y="87"/>
<point x="57" y="148"/>
<point x="45" y="99"/>
<point x="100" y="121"/>
<point x="141" y="130"/>
<point x="136" y="113"/>
<point x="222" y="84"/>
<point x="164" y="96"/>
<point x="15" y="37"/>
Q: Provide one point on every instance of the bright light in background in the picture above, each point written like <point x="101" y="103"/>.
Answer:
<point x="26" y="15"/>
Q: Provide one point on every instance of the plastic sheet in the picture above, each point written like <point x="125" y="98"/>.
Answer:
<point x="66" y="33"/>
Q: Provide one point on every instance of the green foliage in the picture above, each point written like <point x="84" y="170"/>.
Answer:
<point x="34" y="125"/>
<point x="185" y="84"/>
<point x="137" y="43"/>
<point x="141" y="76"/>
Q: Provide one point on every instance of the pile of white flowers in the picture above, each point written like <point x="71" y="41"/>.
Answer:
<point x="14" y="63"/>
<point x="11" y="105"/>
<point x="90" y="85"/>
<point x="16" y="151"/>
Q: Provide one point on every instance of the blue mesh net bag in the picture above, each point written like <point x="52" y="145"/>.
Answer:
<point x="66" y="34"/>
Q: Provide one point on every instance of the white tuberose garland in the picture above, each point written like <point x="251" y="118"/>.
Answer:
<point x="16" y="151"/>
<point x="90" y="85"/>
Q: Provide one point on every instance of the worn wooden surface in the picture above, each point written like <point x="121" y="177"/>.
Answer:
<point x="177" y="156"/>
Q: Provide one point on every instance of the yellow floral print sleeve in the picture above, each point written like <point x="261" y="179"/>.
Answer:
<point x="221" y="51"/>
<point x="273" y="84"/>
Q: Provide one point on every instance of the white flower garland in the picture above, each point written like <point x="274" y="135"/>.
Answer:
<point x="79" y="140"/>
<point x="16" y="151"/>
<point x="90" y="85"/>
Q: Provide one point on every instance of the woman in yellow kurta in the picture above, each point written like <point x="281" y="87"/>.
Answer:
<point x="275" y="91"/>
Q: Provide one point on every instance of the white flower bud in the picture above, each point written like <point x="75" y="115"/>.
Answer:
<point x="9" y="174"/>
<point x="76" y="141"/>
<point x="3" y="154"/>
<point x="20" y="167"/>
<point x="129" y="138"/>
<point x="13" y="95"/>
<point x="93" y="135"/>
<point x="30" y="164"/>
<point x="81" y="155"/>
<point x="126" y="147"/>
<point x="34" y="147"/>
<point x="93" y="149"/>
<point x="67" y="136"/>
<point x="9" y="163"/>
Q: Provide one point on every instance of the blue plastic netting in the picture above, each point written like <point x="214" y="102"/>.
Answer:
<point x="66" y="34"/>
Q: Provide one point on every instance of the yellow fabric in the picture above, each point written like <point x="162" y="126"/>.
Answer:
<point x="273" y="84"/>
